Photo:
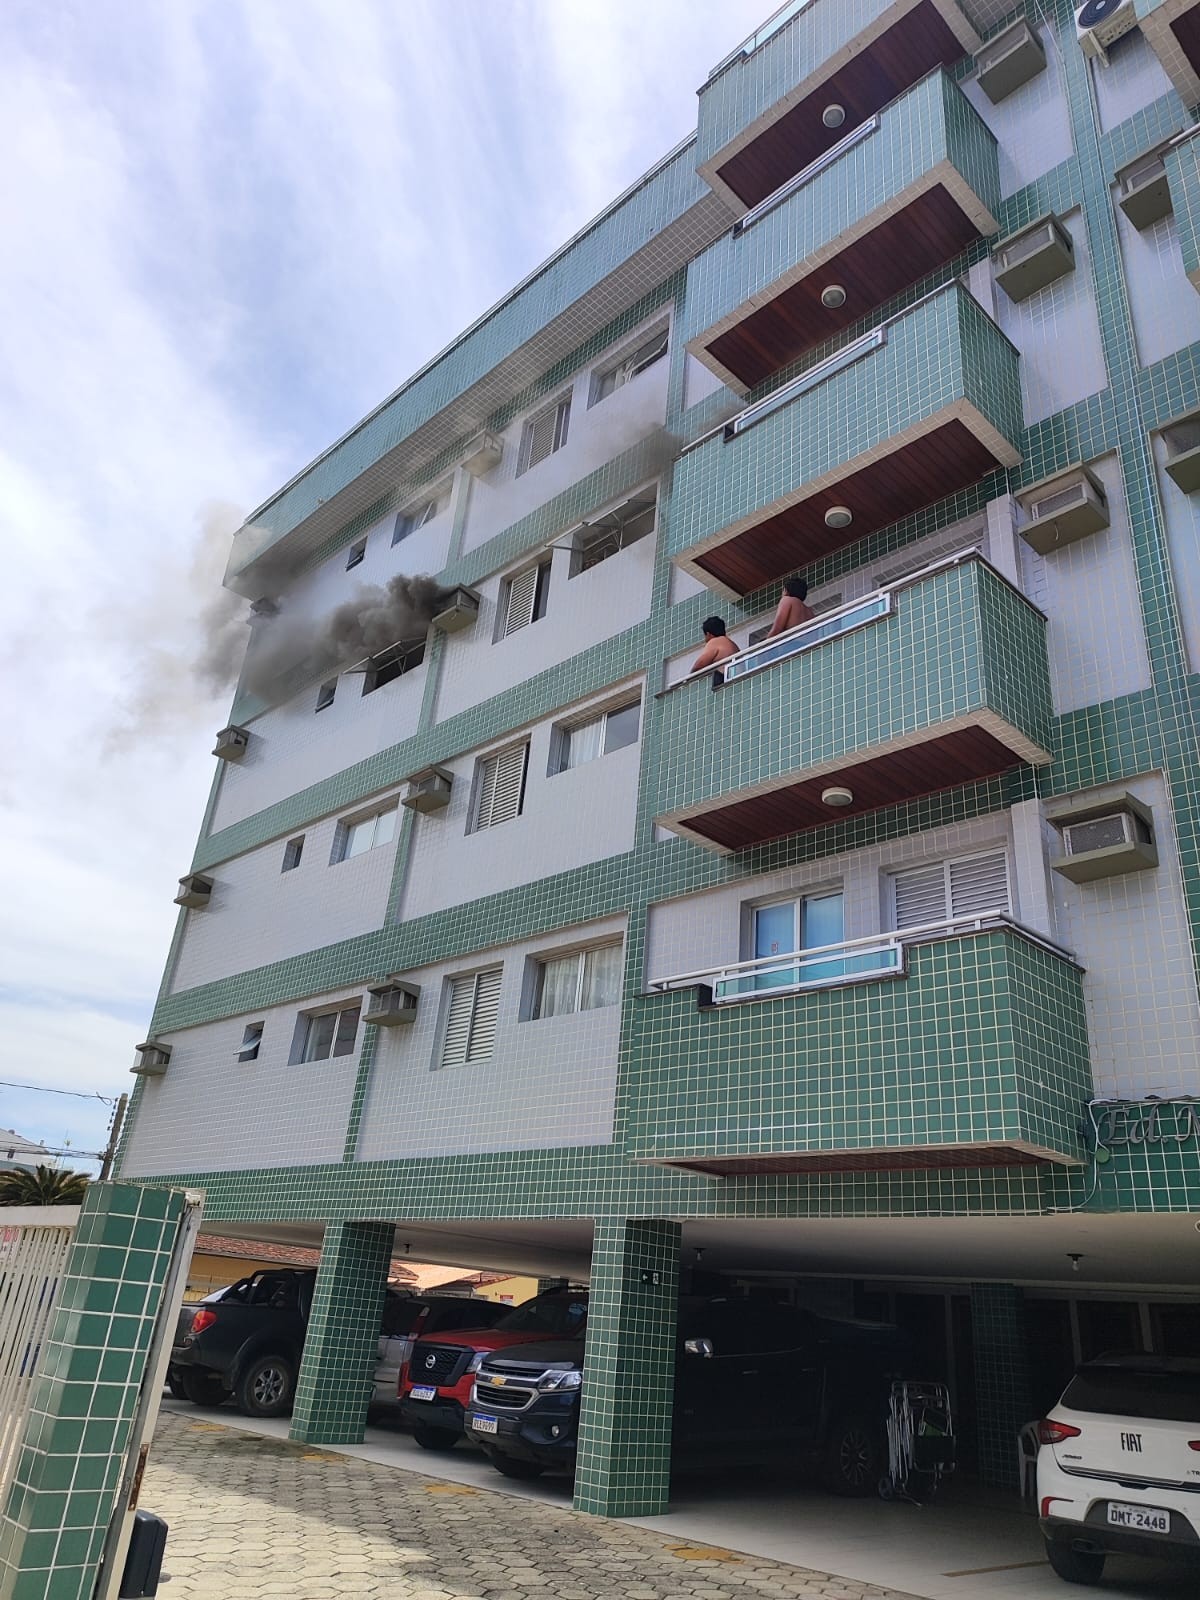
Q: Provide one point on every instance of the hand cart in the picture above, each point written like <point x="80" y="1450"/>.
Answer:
<point x="920" y="1436"/>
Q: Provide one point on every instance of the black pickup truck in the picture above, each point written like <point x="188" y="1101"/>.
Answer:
<point x="753" y="1383"/>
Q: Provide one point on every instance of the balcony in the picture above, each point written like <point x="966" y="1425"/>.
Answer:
<point x="918" y="408"/>
<point x="892" y="201"/>
<point x="772" y="105"/>
<point x="939" y="681"/>
<point x="1182" y="162"/>
<point x="1172" y="28"/>
<point x="969" y="1049"/>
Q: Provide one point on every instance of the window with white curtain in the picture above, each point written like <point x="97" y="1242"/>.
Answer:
<point x="574" y="744"/>
<point x="582" y="981"/>
<point x="964" y="886"/>
<point x="472" y="1010"/>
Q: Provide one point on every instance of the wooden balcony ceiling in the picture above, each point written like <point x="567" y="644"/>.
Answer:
<point x="926" y="1159"/>
<point x="898" y="58"/>
<point x="926" y="470"/>
<point x="920" y="769"/>
<point x="1186" y="29"/>
<point x="903" y="249"/>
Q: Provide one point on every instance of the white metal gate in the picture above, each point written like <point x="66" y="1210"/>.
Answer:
<point x="34" y="1244"/>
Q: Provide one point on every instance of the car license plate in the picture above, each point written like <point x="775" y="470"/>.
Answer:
<point x="422" y="1394"/>
<point x="484" y="1424"/>
<point x="1143" y="1518"/>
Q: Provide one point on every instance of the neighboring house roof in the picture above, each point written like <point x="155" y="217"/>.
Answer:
<point x="290" y="1255"/>
<point x="18" y="1151"/>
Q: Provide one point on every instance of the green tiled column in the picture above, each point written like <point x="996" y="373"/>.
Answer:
<point x="624" y="1466"/>
<point x="343" y="1332"/>
<point x="68" y="1475"/>
<point x="1002" y="1400"/>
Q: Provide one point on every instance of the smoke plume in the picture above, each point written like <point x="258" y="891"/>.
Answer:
<point x="369" y="622"/>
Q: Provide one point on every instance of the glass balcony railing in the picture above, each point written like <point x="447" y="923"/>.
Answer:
<point x="808" y="635"/>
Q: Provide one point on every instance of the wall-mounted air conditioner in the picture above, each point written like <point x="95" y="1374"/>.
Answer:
<point x="1182" y="440"/>
<point x="1062" y="509"/>
<point x="1009" y="60"/>
<point x="392" y="1004"/>
<point x="483" y="453"/>
<point x="151" y="1059"/>
<point x="1036" y="256"/>
<point x="231" y="743"/>
<point x="1143" y="193"/>
<point x="1099" y="23"/>
<point x="459" y="612"/>
<point x="428" y="790"/>
<point x="195" y="891"/>
<point x="1104" y="839"/>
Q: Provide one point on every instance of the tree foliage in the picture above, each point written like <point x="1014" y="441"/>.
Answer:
<point x="48" y="1186"/>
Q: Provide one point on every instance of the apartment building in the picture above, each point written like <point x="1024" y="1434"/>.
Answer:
<point x="861" y="972"/>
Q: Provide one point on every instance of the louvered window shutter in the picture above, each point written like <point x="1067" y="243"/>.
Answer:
<point x="920" y="896"/>
<point x="458" y="1022"/>
<point x="522" y="596"/>
<point x="979" y="884"/>
<point x="486" y="1011"/>
<point x="502" y="787"/>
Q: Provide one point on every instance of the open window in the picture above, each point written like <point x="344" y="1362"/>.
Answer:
<point x="630" y="364"/>
<point x="251" y="1041"/>
<point x="293" y="850"/>
<point x="418" y="514"/>
<point x="544" y="433"/>
<point x="356" y="554"/>
<point x="613" y="531"/>
<point x="377" y="671"/>
<point x="523" y="599"/>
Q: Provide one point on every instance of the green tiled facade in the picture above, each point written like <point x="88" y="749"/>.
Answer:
<point x="986" y="1037"/>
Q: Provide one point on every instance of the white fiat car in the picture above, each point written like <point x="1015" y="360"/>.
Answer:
<point x="1119" y="1465"/>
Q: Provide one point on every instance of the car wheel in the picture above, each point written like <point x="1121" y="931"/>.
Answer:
<point x="265" y="1388"/>
<point x="511" y="1467"/>
<point x="203" y="1388"/>
<point x="434" y="1438"/>
<point x="853" y="1459"/>
<point x="175" y="1384"/>
<point x="1075" y="1566"/>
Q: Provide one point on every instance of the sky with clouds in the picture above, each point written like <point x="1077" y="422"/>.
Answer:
<point x="227" y="230"/>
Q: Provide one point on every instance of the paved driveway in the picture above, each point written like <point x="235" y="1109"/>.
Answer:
<point x="252" y="1517"/>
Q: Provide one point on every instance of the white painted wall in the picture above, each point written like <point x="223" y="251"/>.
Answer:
<point x="1033" y="124"/>
<point x="1132" y="79"/>
<point x="551" y="1081"/>
<point x="568" y="820"/>
<point x="213" y="1113"/>
<point x="260" y="914"/>
<point x="1131" y="934"/>
<point x="1094" y="577"/>
<point x="1164" y="306"/>
<point x="595" y="435"/>
<point x="1181" y="514"/>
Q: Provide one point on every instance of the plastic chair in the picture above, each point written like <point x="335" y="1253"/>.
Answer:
<point x="1027" y="1454"/>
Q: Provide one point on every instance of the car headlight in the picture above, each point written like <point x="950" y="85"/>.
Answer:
<point x="475" y="1362"/>
<point x="561" y="1380"/>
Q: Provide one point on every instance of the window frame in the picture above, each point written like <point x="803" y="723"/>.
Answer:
<point x="591" y="534"/>
<point x="479" y="783"/>
<point x="418" y="515"/>
<point x="307" y="1021"/>
<point x="251" y="1041"/>
<point x="560" y="734"/>
<point x="326" y="695"/>
<point x="560" y="410"/>
<point x="293" y="854"/>
<point x="658" y="334"/>
<point x="946" y="863"/>
<point x="451" y="988"/>
<point x="346" y="826"/>
<point x="356" y="554"/>
<point x="397" y="661"/>
<point x="580" y="955"/>
<point x="538" y="599"/>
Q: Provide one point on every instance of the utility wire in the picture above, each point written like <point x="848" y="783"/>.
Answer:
<point x="41" y="1088"/>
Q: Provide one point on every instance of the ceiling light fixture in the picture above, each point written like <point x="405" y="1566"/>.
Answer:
<point x="1074" y="1258"/>
<point x="833" y="115"/>
<point x="837" y="796"/>
<point x="833" y="297"/>
<point x="839" y="517"/>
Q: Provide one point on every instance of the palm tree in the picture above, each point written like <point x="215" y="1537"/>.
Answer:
<point x="48" y="1186"/>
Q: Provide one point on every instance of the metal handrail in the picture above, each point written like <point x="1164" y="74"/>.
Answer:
<point x="766" y="30"/>
<point x="810" y="379"/>
<point x="806" y="175"/>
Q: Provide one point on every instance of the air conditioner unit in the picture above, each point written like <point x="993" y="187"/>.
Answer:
<point x="1103" y="840"/>
<point x="392" y="1004"/>
<point x="231" y="743"/>
<point x="1143" y="193"/>
<point x="151" y="1059"/>
<point x="1182" y="439"/>
<point x="1009" y="60"/>
<point x="1066" y="507"/>
<point x="483" y="453"/>
<point x="459" y="612"/>
<point x="428" y="790"/>
<point x="1099" y="23"/>
<point x="1038" y="255"/>
<point x="195" y="891"/>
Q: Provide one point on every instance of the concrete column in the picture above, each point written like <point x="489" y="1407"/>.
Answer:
<point x="1002" y="1392"/>
<point x="624" y="1463"/>
<point x="341" y="1344"/>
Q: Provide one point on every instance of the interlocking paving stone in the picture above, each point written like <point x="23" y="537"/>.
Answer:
<point x="252" y="1518"/>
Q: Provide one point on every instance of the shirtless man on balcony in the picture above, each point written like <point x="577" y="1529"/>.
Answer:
<point x="718" y="646"/>
<point x="791" y="611"/>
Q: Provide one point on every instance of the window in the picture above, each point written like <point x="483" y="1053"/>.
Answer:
<point x="292" y="851"/>
<point x="544" y="434"/>
<point x="251" y="1040"/>
<point x="598" y="736"/>
<point x="791" y="926"/>
<point x="324" y="1034"/>
<point x="393" y="663"/>
<point x="500" y="792"/>
<point x="356" y="838"/>
<point x="580" y="982"/>
<point x="326" y="693"/>
<point x="355" y="554"/>
<point x="965" y="887"/>
<point x="627" y="367"/>
<point x="612" y="532"/>
<point x="523" y="599"/>
<point x="416" y="517"/>
<point x="471" y="1014"/>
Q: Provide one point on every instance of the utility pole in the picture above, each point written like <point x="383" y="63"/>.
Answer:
<point x="114" y="1134"/>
